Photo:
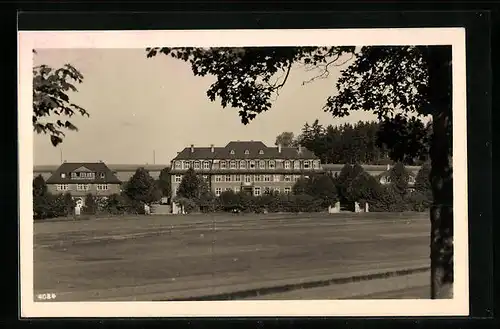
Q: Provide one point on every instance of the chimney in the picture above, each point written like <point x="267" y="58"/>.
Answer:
<point x="192" y="148"/>
<point x="388" y="167"/>
<point x="300" y="149"/>
<point x="212" y="148"/>
<point x="279" y="148"/>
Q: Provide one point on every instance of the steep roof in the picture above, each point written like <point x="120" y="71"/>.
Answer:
<point x="68" y="167"/>
<point x="238" y="149"/>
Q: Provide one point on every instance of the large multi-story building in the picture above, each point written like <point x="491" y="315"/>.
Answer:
<point x="248" y="166"/>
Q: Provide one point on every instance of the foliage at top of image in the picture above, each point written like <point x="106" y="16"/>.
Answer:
<point x="51" y="97"/>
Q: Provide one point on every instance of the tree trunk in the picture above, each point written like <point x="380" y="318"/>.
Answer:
<point x="441" y="176"/>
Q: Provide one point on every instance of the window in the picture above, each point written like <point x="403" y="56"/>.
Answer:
<point x="178" y="165"/>
<point x="197" y="165"/>
<point x="287" y="164"/>
<point x="62" y="187"/>
<point x="247" y="152"/>
<point x="287" y="190"/>
<point x="206" y="165"/>
<point x="256" y="191"/>
<point x="261" y="152"/>
<point x="267" y="178"/>
<point x="258" y="178"/>
<point x="232" y="152"/>
<point x="236" y="190"/>
<point x="306" y="164"/>
<point x="228" y="189"/>
<point x="205" y="177"/>
<point x="102" y="187"/>
<point x="252" y="164"/>
<point x="82" y="187"/>
<point x="233" y="165"/>
<point x="248" y="179"/>
<point x="316" y="164"/>
<point x="296" y="178"/>
<point x="267" y="190"/>
<point x="102" y="175"/>
<point x="223" y="165"/>
<point x="228" y="178"/>
<point x="218" y="191"/>
<point x="237" y="178"/>
<point x="277" y="190"/>
<point x="178" y="178"/>
<point x="87" y="175"/>
<point x="63" y="175"/>
<point x="272" y="164"/>
<point x="288" y="178"/>
<point x="243" y="164"/>
<point x="262" y="164"/>
<point x="277" y="178"/>
<point x="186" y="164"/>
<point x="296" y="164"/>
<point x="218" y="178"/>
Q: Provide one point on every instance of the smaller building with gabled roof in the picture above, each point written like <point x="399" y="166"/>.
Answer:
<point x="82" y="178"/>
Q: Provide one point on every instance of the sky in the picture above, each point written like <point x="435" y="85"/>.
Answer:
<point x="145" y="110"/>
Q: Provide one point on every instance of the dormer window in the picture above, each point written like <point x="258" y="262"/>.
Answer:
<point x="102" y="175"/>
<point x="262" y="164"/>
<point x="272" y="164"/>
<point x="232" y="152"/>
<point x="306" y="164"/>
<point x="233" y="165"/>
<point x="178" y="165"/>
<point x="261" y="152"/>
<point x="223" y="165"/>
<point x="63" y="175"/>
<point x="252" y="164"/>
<point x="243" y="164"/>
<point x="206" y="165"/>
<point x="197" y="165"/>
<point x="247" y="152"/>
<point x="287" y="164"/>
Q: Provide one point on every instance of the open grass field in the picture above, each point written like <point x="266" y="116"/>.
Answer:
<point x="195" y="256"/>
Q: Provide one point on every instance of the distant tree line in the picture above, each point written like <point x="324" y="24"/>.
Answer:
<point x="363" y="142"/>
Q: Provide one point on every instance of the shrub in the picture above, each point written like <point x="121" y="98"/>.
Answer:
<point x="188" y="205"/>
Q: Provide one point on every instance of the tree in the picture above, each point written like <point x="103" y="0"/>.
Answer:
<point x="69" y="204"/>
<point x="345" y="182"/>
<point x="51" y="97"/>
<point x="322" y="187"/>
<point x="142" y="187"/>
<point x="39" y="186"/>
<point x="192" y="186"/>
<point x="91" y="204"/>
<point x="41" y="198"/>
<point x="422" y="180"/>
<point x="164" y="182"/>
<point x="286" y="139"/>
<point x="301" y="186"/>
<point x="385" y="80"/>
<point x="399" y="178"/>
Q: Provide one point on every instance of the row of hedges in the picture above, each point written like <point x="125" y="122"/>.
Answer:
<point x="316" y="193"/>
